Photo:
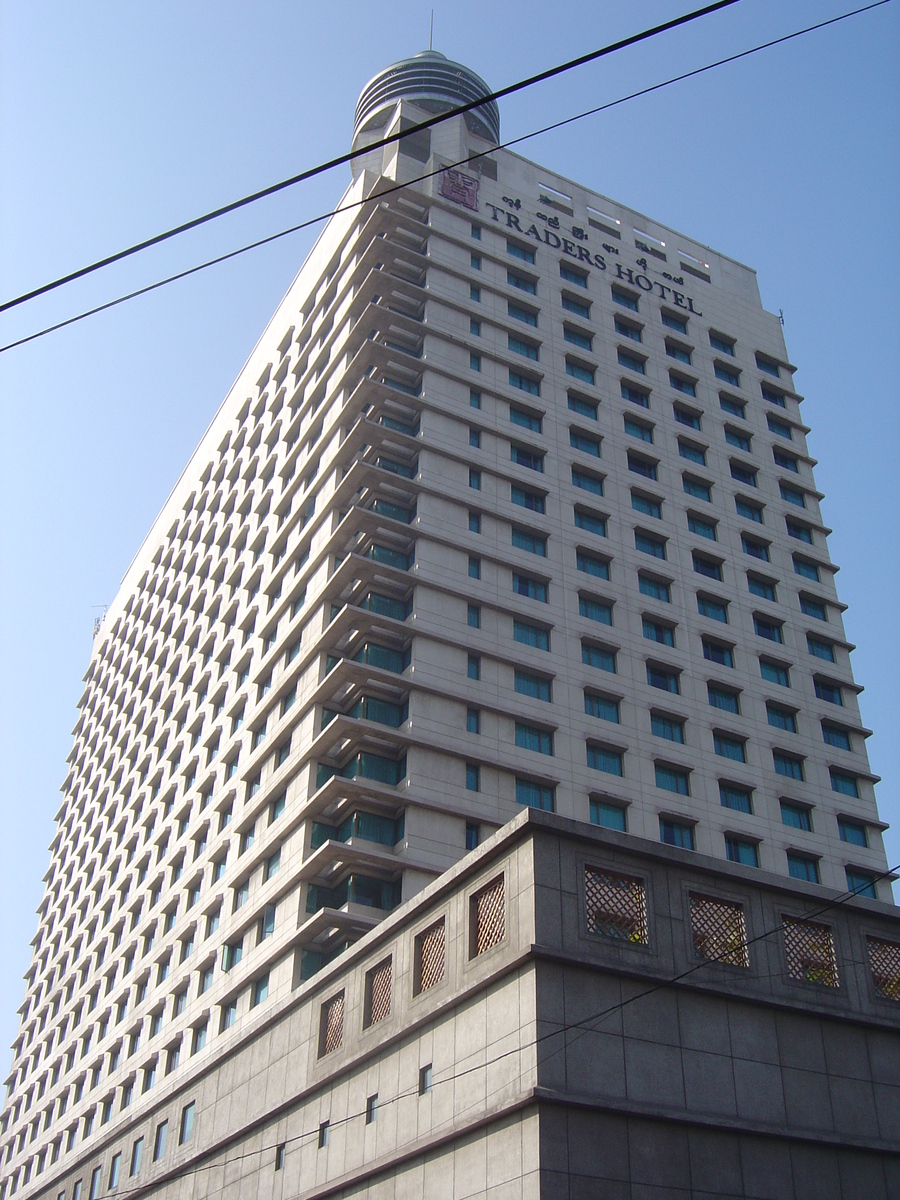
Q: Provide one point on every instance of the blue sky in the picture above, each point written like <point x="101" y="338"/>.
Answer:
<point x="122" y="120"/>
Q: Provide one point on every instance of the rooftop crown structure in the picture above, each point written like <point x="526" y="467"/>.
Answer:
<point x="468" y="790"/>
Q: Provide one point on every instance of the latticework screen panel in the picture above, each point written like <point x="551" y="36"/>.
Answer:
<point x="719" y="930"/>
<point x="616" y="905"/>
<point x="809" y="949"/>
<point x="378" y="989"/>
<point x="884" y="959"/>
<point x="332" y="1024"/>
<point x="489" y="917"/>
<point x="430" y="956"/>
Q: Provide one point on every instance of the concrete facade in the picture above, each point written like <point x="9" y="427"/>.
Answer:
<point x="510" y="508"/>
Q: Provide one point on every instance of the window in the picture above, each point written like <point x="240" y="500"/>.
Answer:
<point x="524" y="383"/>
<point x="584" y="408"/>
<point x="807" y="569"/>
<point x="829" y="692"/>
<point x="727" y="374"/>
<point x="781" y="718"/>
<point x="748" y="510"/>
<point x="372" y="1109"/>
<point x="425" y="1080"/>
<point x="94" y="1191"/>
<point x="813" y="608"/>
<point x="474" y="399"/>
<point x="475" y="480"/>
<point x="198" y="1037"/>
<point x="626" y="299"/>
<point x="647" y="543"/>
<point x="519" y="313"/>
<point x="591" y="565"/>
<point x="635" y="395"/>
<point x="656" y="588"/>
<point x="525" y="498"/>
<point x="474" y="522"/>
<point x="767" y="365"/>
<point x="778" y="427"/>
<point x="639" y="430"/>
<point x="846" y="785"/>
<point x="159" y="1141"/>
<point x="532" y="737"/>
<point x="680" y="384"/>
<point x="475" y="262"/>
<point x="663" y="678"/>
<point x="655" y="631"/>
<point x="853" y="832"/>
<point x="734" y="437"/>
<point x="579" y="371"/>
<point x="473" y="720"/>
<point x="186" y="1128"/>
<point x="743" y="474"/>
<point x="774" y="672"/>
<point x="646" y="505"/>
<point x="474" y="568"/>
<point x="595" y="610"/>
<point x="627" y="329"/>
<point x="474" y="438"/>
<point x="473" y="777"/>
<point x="115" y="1168"/>
<point x="834" y="735"/>
<point x="585" y="442"/>
<point x="473" y="616"/>
<point x="474" y="361"/>
<point x="801" y="866"/>
<point x="533" y="589"/>
<point x="524" y="252"/>
<point x="522" y="539"/>
<point x="727" y="746"/>
<point x="820" y="649"/>
<point x="631" y="361"/>
<point x="279" y="1156"/>
<point x="860" y="883"/>
<point x="524" y="457"/>
<point x="739" y="850"/>
<point x="137" y="1153"/>
<point x="754" y="548"/>
<point x="701" y="526"/>
<point x="692" y="452"/>
<point x="531" y="635"/>
<point x="761" y="587"/>
<point x="473" y="667"/>
<point x="600" y="758"/>
<point x="579" y="278"/>
<point x="716" y="610"/>
<point x="717" y="652"/>
<point x="792" y="495"/>
<point x="529" y="684"/>
<point x="591" y="522"/>
<point x="598" y="656"/>
<point x="610" y="816"/>
<point x="534" y="795"/>
<point x="475" y="326"/>
<point x="771" y="630"/>
<point x="787" y="461"/>
<point x="474" y="293"/>
<point x="525" y="348"/>
<point x="733" y="795"/>
<point x="667" y="727"/>
<point x="720" y="342"/>
<point x="676" y="833"/>
<point x="797" y="816"/>
<point x="772" y="396"/>
<point x="323" y="1134"/>
<point x="788" y="765"/>
<point x="579" y="307"/>
<point x="673" y="321"/>
<point x="522" y="282"/>
<point x="731" y="405"/>
<point x="587" y="482"/>
<point x="681" y="353"/>
<point x="601" y="707"/>
<point x="672" y="779"/>
<point x="696" y="488"/>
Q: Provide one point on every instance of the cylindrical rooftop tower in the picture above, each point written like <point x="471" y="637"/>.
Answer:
<point x="432" y="82"/>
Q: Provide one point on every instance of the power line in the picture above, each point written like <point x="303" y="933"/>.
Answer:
<point x="583" y="1026"/>
<point x="255" y="245"/>
<point x="311" y="172"/>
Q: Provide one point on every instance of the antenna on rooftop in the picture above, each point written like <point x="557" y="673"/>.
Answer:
<point x="431" y="34"/>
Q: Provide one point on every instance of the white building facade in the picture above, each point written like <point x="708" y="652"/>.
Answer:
<point x="510" y="506"/>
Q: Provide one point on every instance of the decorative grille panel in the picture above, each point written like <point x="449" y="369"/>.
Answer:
<point x="809" y="949"/>
<point x="332" y="1024"/>
<point x="616" y="905"/>
<point x="430" y="957"/>
<point x="378" y="992"/>
<point x="719" y="930"/>
<point x="488" y="917"/>
<point x="884" y="958"/>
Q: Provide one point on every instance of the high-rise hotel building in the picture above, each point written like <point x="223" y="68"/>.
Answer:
<point x="511" y="508"/>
